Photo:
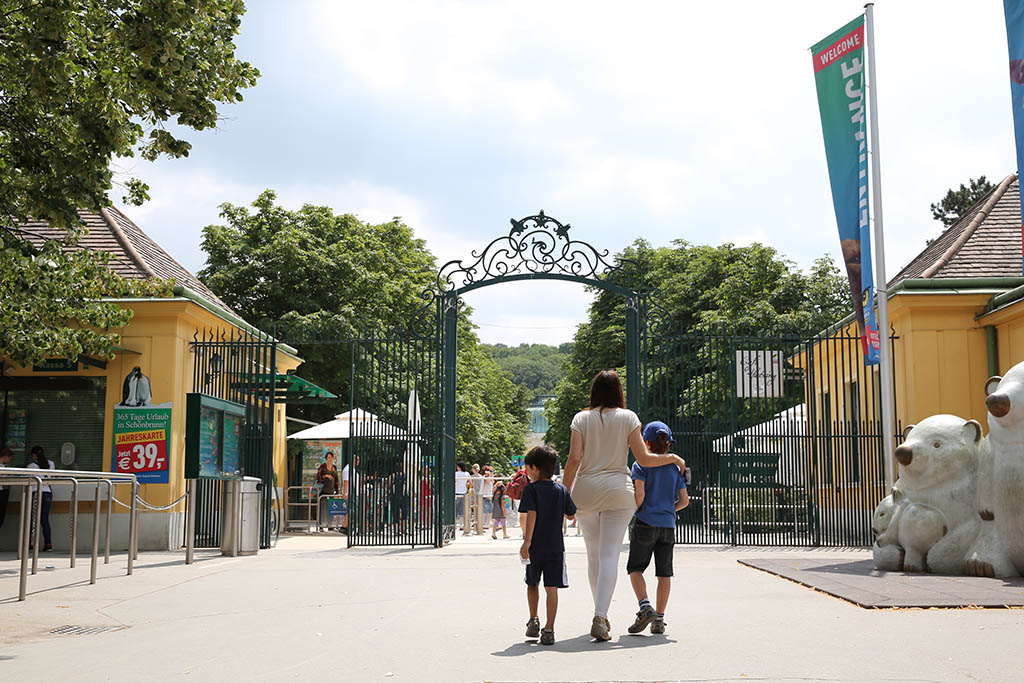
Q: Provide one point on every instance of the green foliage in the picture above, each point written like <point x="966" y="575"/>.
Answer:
<point x="83" y="82"/>
<point x="723" y="286"/>
<point x="330" y="277"/>
<point x="316" y="273"/>
<point x="535" y="367"/>
<point x="491" y="413"/>
<point x="51" y="301"/>
<point x="956" y="203"/>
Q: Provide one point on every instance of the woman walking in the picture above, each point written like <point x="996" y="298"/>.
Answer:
<point x="597" y="474"/>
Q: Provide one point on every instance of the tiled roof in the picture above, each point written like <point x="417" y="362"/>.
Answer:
<point x="133" y="253"/>
<point x="985" y="242"/>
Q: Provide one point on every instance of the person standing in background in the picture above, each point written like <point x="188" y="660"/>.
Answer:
<point x="5" y="492"/>
<point x="39" y="461"/>
<point x="461" y="479"/>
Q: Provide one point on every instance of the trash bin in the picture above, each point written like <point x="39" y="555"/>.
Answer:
<point x="246" y="525"/>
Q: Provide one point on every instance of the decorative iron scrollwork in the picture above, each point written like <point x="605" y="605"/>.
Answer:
<point x="536" y="245"/>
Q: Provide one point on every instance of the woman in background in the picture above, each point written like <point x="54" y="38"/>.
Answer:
<point x="39" y="461"/>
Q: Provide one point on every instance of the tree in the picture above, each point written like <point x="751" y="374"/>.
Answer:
<point x="490" y="410"/>
<point x="327" y="277"/>
<point x="721" y="286"/>
<point x="956" y="203"/>
<point x="315" y="272"/>
<point x="83" y="82"/>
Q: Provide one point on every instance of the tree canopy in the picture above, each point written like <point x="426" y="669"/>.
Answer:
<point x="956" y="203"/>
<point x="84" y="82"/>
<point x="327" y="277"/>
<point x="697" y="284"/>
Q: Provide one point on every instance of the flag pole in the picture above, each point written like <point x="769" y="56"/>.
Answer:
<point x="881" y="284"/>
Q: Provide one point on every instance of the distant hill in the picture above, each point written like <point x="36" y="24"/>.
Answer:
<point x="535" y="367"/>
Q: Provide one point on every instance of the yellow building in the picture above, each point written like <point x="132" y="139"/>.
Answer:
<point x="68" y="406"/>
<point x="957" y="313"/>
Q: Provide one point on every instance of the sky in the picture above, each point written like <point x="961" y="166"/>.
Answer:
<point x="660" y="120"/>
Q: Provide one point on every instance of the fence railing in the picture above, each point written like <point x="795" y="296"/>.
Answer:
<point x="32" y="482"/>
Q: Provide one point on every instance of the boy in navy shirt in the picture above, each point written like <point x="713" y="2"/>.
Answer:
<point x="545" y="504"/>
<point x="660" y="492"/>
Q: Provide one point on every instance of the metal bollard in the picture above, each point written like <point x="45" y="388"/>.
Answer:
<point x="110" y="510"/>
<point x="74" y="520"/>
<point x="190" y="521"/>
<point x="95" y="535"/>
<point x="24" y="524"/>
<point x="38" y="529"/>
<point x="134" y="512"/>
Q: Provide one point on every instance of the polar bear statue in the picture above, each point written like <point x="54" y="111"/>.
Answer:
<point x="938" y="521"/>
<point x="1001" y="553"/>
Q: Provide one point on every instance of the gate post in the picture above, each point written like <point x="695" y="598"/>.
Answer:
<point x="449" y="356"/>
<point x="634" y="382"/>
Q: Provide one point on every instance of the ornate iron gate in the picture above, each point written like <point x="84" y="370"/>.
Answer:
<point x="779" y="428"/>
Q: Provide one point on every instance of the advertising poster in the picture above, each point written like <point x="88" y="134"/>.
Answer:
<point x="231" y="464"/>
<point x="17" y="431"/>
<point x="839" y="77"/>
<point x="142" y="442"/>
<point x="209" y="442"/>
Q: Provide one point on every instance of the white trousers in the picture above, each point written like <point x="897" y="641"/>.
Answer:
<point x="603" y="533"/>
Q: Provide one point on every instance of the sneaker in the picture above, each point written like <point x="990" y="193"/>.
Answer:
<point x="658" y="625"/>
<point x="601" y="629"/>
<point x="47" y="548"/>
<point x="547" y="637"/>
<point x="643" y="617"/>
<point x="533" y="627"/>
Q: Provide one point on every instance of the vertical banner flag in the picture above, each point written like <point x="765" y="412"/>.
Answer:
<point x="839" y="77"/>
<point x="1014" y="11"/>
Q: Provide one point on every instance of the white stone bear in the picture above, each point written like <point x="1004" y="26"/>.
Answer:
<point x="1000" y="548"/>
<point x="938" y="463"/>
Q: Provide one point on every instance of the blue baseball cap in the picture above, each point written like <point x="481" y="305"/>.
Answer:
<point x="653" y="429"/>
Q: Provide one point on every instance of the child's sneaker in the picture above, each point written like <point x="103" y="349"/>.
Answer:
<point x="533" y="627"/>
<point x="643" y="617"/>
<point x="547" y="637"/>
<point x="658" y="625"/>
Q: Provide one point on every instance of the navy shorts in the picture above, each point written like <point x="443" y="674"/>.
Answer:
<point x="552" y="569"/>
<point x="646" y="540"/>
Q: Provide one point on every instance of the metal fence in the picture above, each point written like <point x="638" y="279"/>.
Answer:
<point x="240" y="367"/>
<point x="780" y="429"/>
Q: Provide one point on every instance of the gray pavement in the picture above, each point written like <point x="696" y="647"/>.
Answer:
<point x="310" y="609"/>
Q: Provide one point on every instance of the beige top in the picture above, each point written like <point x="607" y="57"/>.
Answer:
<point x="603" y="481"/>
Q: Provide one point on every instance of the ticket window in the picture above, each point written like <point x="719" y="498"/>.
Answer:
<point x="55" y="412"/>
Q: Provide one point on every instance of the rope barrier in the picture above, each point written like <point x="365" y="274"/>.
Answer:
<point x="148" y="506"/>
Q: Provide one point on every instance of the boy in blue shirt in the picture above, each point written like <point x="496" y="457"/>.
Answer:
<point x="545" y="504"/>
<point x="660" y="492"/>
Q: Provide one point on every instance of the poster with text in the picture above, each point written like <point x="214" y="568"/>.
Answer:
<point x="142" y="442"/>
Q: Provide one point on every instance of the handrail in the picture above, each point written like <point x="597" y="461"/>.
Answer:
<point x="29" y="477"/>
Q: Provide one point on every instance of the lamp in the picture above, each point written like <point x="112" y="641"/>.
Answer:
<point x="216" y="364"/>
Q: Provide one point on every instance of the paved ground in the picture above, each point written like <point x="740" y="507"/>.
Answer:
<point x="311" y="610"/>
<point x="859" y="582"/>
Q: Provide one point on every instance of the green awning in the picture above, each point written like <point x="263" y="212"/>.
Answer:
<point x="288" y="388"/>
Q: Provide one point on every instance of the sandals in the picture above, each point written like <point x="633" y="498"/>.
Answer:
<point x="533" y="627"/>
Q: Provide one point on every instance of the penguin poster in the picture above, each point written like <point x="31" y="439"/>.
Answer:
<point x="135" y="391"/>
<point x="141" y="431"/>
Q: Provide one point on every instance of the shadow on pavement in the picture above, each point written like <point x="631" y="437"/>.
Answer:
<point x="582" y="643"/>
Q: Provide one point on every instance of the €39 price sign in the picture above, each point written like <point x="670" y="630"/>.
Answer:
<point x="141" y="440"/>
